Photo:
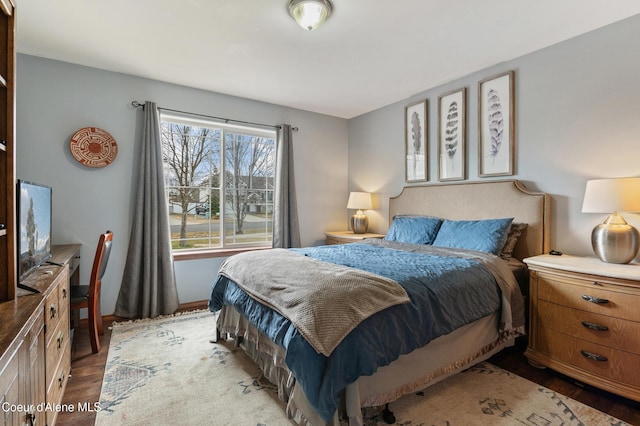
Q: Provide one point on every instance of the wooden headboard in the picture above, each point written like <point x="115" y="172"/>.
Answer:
<point x="482" y="200"/>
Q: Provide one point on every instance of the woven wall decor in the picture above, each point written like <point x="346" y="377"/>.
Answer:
<point x="93" y="147"/>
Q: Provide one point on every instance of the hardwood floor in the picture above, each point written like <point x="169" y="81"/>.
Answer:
<point x="88" y="369"/>
<point x="513" y="360"/>
<point x="85" y="382"/>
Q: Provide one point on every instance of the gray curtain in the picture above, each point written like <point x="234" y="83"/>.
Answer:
<point x="286" y="232"/>
<point x="148" y="286"/>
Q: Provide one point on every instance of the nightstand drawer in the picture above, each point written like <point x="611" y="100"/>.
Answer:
<point x="595" y="359"/>
<point x="603" y="330"/>
<point x="587" y="296"/>
<point x="345" y="237"/>
<point x="334" y="240"/>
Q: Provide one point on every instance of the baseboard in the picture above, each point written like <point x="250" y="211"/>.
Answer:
<point x="189" y="306"/>
<point x="192" y="306"/>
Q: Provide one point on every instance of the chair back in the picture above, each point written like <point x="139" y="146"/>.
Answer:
<point x="100" y="261"/>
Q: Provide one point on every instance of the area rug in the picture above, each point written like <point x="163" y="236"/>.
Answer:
<point x="167" y="372"/>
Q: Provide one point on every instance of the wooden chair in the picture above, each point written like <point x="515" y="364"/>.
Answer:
<point x="88" y="296"/>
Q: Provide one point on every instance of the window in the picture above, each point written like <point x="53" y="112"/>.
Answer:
<point x="219" y="180"/>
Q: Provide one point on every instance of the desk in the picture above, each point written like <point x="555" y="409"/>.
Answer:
<point x="69" y="254"/>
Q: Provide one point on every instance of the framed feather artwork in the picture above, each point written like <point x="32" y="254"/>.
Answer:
<point x="496" y="125"/>
<point x="415" y="141"/>
<point x="452" y="112"/>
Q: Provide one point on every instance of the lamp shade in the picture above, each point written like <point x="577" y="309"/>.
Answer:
<point x="612" y="195"/>
<point x="614" y="240"/>
<point x="310" y="14"/>
<point x="359" y="201"/>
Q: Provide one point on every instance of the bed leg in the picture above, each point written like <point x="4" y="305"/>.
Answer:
<point x="387" y="415"/>
<point x="217" y="338"/>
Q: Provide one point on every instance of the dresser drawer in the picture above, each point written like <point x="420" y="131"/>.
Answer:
<point x="585" y="295"/>
<point x="616" y="365"/>
<point x="52" y="310"/>
<point x="603" y="330"/>
<point x="56" y="387"/>
<point x="57" y="305"/>
<point x="64" y="294"/>
<point x="56" y="349"/>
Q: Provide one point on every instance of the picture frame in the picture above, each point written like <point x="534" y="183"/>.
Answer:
<point x="496" y="125"/>
<point x="452" y="135"/>
<point x="416" y="142"/>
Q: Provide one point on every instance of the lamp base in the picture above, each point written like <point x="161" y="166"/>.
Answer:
<point x="615" y="241"/>
<point x="359" y="223"/>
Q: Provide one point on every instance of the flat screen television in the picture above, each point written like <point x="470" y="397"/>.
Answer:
<point x="34" y="226"/>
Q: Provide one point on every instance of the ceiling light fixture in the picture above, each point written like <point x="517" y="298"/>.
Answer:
<point x="310" y="14"/>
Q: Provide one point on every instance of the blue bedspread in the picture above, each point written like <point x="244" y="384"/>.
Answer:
<point x="445" y="292"/>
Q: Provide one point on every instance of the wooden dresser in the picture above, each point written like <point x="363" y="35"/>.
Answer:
<point x="35" y="358"/>
<point x="585" y="321"/>
<point x="34" y="327"/>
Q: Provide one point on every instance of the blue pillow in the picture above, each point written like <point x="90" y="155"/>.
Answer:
<point x="482" y="235"/>
<point x="413" y="229"/>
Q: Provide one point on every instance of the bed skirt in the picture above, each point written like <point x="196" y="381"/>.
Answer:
<point x="443" y="357"/>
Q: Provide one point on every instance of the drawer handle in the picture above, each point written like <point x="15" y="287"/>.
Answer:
<point x="596" y="300"/>
<point x="592" y="326"/>
<point x="64" y="293"/>
<point x="593" y="356"/>
<point x="31" y="418"/>
<point x="60" y="339"/>
<point x="53" y="311"/>
<point x="61" y="379"/>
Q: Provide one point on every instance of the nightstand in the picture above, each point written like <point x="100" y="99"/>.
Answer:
<point x="585" y="321"/>
<point x="343" y="237"/>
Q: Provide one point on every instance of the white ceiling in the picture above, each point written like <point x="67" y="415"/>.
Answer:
<point x="368" y="54"/>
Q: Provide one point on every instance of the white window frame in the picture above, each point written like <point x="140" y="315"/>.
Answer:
<point x="193" y="120"/>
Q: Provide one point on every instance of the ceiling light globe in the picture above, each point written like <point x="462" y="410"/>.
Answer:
<point x="310" y="14"/>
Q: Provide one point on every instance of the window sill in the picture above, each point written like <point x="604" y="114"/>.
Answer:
<point x="209" y="254"/>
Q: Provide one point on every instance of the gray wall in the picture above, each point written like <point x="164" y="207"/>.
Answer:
<point x="577" y="118"/>
<point x="54" y="99"/>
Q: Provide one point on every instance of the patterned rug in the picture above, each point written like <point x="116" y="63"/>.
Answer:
<point x="166" y="372"/>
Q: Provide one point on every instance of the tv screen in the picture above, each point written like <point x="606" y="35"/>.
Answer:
<point x="34" y="226"/>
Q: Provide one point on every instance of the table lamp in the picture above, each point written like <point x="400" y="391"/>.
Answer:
<point x="614" y="240"/>
<point x="359" y="201"/>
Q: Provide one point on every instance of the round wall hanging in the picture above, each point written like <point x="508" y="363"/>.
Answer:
<point x="93" y="147"/>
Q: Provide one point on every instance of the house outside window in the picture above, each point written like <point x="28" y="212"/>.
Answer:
<point x="219" y="181"/>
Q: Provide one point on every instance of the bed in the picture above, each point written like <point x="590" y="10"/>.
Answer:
<point x="328" y="370"/>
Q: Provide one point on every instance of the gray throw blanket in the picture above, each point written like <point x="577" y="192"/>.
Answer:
<point x="324" y="301"/>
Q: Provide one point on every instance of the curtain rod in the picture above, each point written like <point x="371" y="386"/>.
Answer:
<point x="137" y="104"/>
